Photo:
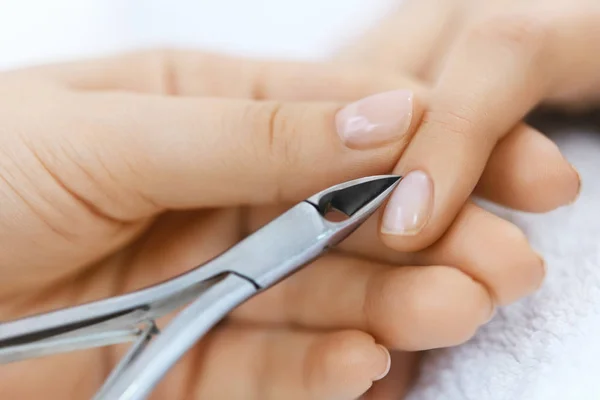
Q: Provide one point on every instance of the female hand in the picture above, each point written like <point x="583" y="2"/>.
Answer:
<point x="119" y="173"/>
<point x="489" y="64"/>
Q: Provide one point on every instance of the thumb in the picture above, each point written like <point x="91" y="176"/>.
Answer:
<point x="159" y="153"/>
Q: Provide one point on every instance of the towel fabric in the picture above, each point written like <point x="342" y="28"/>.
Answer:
<point x="547" y="346"/>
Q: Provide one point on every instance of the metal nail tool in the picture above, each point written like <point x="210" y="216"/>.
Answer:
<point x="206" y="294"/>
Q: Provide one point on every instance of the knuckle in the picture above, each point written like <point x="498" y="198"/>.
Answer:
<point x="275" y="132"/>
<point x="114" y="176"/>
<point x="461" y="314"/>
<point x="340" y="357"/>
<point x="521" y="33"/>
<point x="347" y="351"/>
<point x="387" y="296"/>
<point x="460" y="121"/>
<point x="348" y="344"/>
<point x="30" y="182"/>
<point x="513" y="234"/>
<point x="415" y="310"/>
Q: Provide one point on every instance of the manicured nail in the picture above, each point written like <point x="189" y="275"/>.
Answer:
<point x="386" y="354"/>
<point x="409" y="206"/>
<point x="375" y="120"/>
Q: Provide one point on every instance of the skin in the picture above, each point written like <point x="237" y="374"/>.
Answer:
<point x="93" y="206"/>
<point x="523" y="54"/>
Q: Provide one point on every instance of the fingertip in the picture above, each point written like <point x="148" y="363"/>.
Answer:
<point x="408" y="212"/>
<point x="519" y="272"/>
<point x="386" y="362"/>
<point x="557" y="183"/>
<point x="528" y="172"/>
<point x="350" y="361"/>
<point x="377" y="120"/>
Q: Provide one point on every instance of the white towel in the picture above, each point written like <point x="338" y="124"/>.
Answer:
<point x="547" y="346"/>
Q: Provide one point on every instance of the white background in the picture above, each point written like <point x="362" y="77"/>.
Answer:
<point x="33" y="31"/>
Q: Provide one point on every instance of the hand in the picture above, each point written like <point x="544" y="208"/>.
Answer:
<point x="421" y="37"/>
<point x="489" y="63"/>
<point x="119" y="173"/>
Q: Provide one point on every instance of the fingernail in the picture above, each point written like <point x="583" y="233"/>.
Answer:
<point x="409" y="206"/>
<point x="388" y="357"/>
<point x="544" y="269"/>
<point x="375" y="120"/>
<point x="578" y="185"/>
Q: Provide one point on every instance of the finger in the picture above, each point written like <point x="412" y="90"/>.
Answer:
<point x="499" y="254"/>
<point x="135" y="154"/>
<point x="397" y="383"/>
<point x="193" y="73"/>
<point x="282" y="364"/>
<point x="527" y="172"/>
<point x="406" y="40"/>
<point x="491" y="81"/>
<point x="485" y="247"/>
<point x="571" y="31"/>
<point x="402" y="308"/>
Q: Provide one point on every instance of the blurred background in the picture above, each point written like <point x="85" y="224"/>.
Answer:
<point x="37" y="31"/>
